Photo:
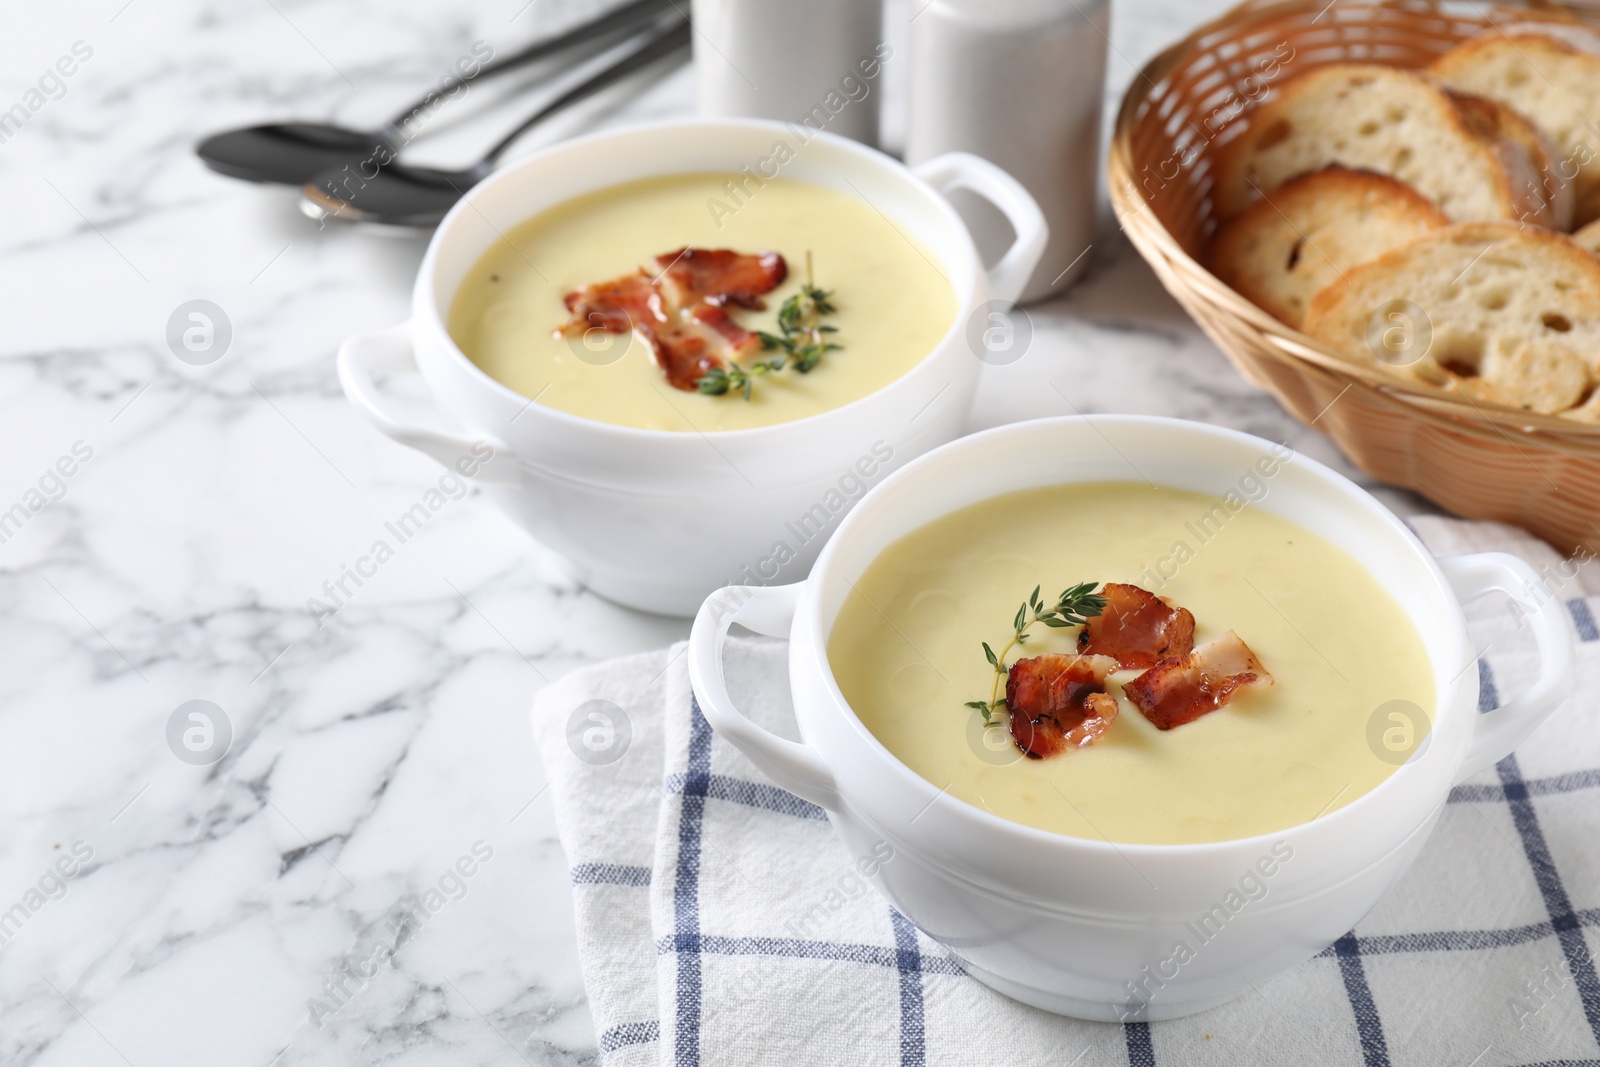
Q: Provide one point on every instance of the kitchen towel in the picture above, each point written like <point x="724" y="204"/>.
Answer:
<point x="720" y="922"/>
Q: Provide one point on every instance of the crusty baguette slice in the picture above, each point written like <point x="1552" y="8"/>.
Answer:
<point x="1386" y="119"/>
<point x="1308" y="231"/>
<point x="1551" y="74"/>
<point x="1492" y="118"/>
<point x="1503" y="313"/>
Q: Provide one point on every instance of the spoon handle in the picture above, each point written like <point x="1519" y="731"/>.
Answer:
<point x="630" y="16"/>
<point x="653" y="46"/>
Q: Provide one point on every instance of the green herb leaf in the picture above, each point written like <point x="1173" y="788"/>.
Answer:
<point x="1076" y="605"/>
<point x="714" y="382"/>
<point x="799" y="341"/>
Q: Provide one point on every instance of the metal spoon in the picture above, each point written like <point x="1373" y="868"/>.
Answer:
<point x="398" y="195"/>
<point x="291" y="153"/>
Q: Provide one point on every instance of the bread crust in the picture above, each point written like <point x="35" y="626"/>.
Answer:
<point x="1548" y="72"/>
<point x="1513" y="313"/>
<point x="1371" y="116"/>
<point x="1589" y="237"/>
<point x="1534" y="166"/>
<point x="1307" y="232"/>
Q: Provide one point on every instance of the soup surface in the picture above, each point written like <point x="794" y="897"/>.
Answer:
<point x="893" y="304"/>
<point x="906" y="651"/>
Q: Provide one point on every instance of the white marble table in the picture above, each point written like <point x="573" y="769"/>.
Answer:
<point x="210" y="910"/>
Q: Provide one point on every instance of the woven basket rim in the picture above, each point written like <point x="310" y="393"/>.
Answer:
<point x="1285" y="343"/>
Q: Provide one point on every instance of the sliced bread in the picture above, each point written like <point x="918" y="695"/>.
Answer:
<point x="1307" y="232"/>
<point x="1385" y="119"/>
<point x="1550" y="73"/>
<point x="1549" y="193"/>
<point x="1501" y="313"/>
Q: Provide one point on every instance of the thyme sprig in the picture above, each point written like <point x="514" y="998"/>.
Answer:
<point x="801" y="342"/>
<point x="1074" y="607"/>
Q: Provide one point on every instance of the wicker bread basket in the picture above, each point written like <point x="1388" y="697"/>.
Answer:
<point x="1476" y="459"/>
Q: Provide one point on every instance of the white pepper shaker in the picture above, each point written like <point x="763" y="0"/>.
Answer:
<point x="812" y="62"/>
<point x="1021" y="83"/>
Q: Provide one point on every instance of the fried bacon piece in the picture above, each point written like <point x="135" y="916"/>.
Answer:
<point x="1180" y="689"/>
<point x="721" y="276"/>
<point x="684" y="352"/>
<point x="717" y="323"/>
<point x="615" y="306"/>
<point x="681" y="311"/>
<point x="1137" y="628"/>
<point x="1057" y="702"/>
<point x="696" y="341"/>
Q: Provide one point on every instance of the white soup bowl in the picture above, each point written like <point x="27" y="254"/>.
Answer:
<point x="656" y="519"/>
<point x="1089" y="928"/>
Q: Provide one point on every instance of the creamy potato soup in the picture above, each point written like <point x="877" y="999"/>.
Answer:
<point x="907" y="652"/>
<point x="891" y="304"/>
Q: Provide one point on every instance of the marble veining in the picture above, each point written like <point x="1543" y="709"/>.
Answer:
<point x="294" y="903"/>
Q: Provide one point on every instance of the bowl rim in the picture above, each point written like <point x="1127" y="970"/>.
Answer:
<point x="1446" y="691"/>
<point x="427" y="314"/>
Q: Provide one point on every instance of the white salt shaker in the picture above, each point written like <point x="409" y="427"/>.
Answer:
<point x="1021" y="83"/>
<point x="814" y="62"/>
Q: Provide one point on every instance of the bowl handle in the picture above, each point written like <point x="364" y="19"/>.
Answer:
<point x="766" y="610"/>
<point x="390" y="351"/>
<point x="1498" y="732"/>
<point x="963" y="170"/>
